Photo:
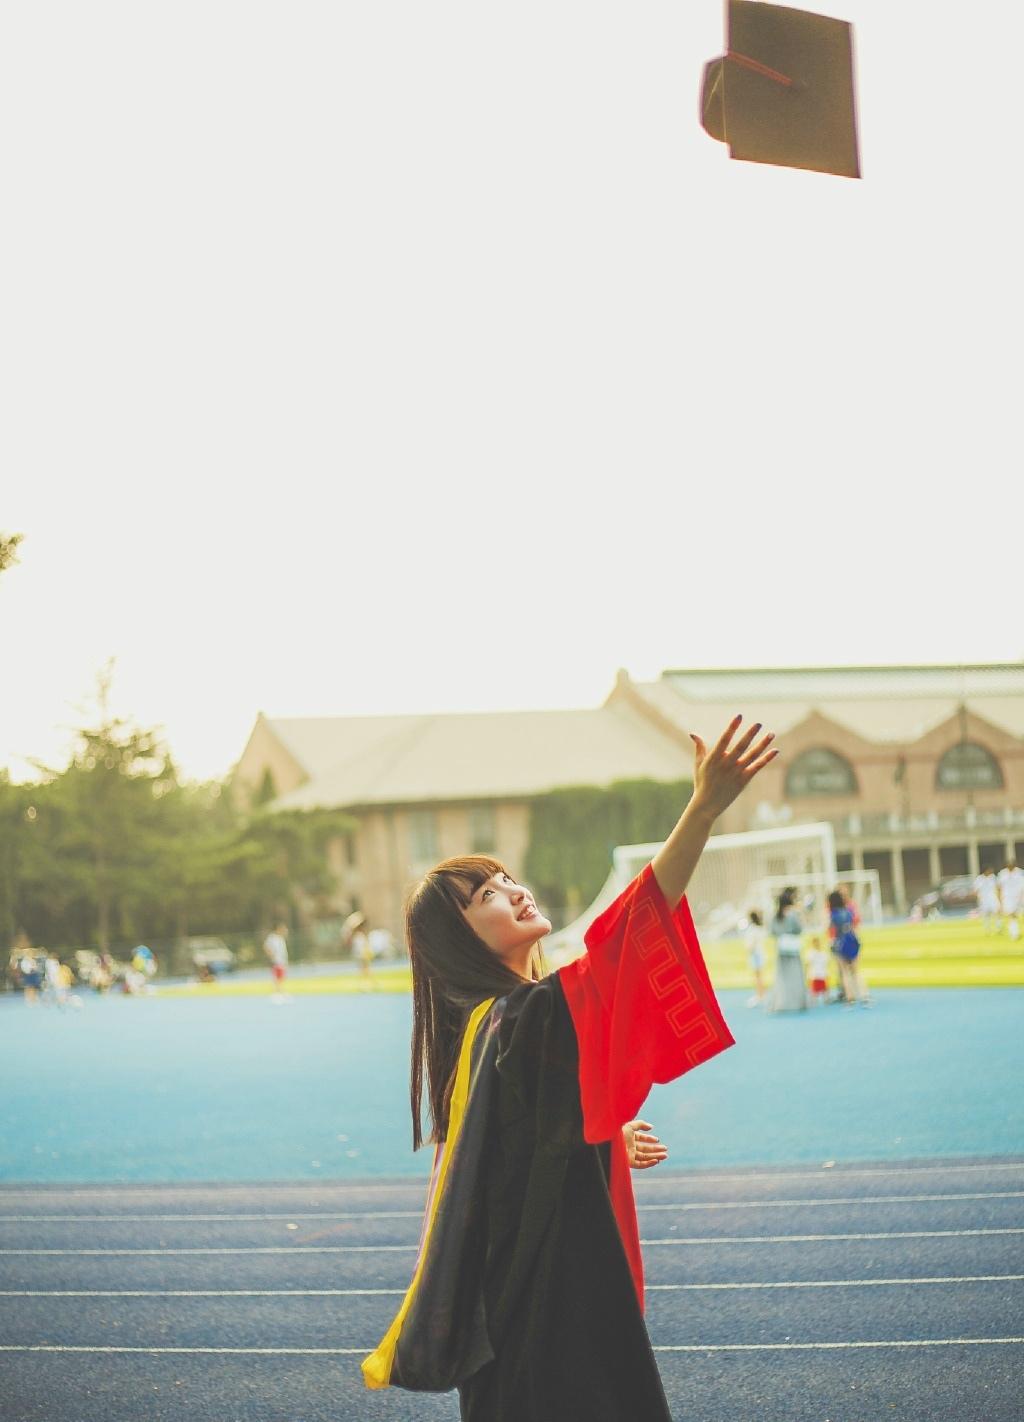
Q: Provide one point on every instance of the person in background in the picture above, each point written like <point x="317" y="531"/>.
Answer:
<point x="817" y="967"/>
<point x="144" y="961"/>
<point x="1011" y="896"/>
<point x="101" y="975"/>
<point x="789" y="991"/>
<point x="362" y="953"/>
<point x="841" y="976"/>
<point x="55" y="987"/>
<point x="275" y="946"/>
<point x="755" y="937"/>
<point x="846" y="946"/>
<point x="986" y="888"/>
<point x="381" y="943"/>
<point x="844" y="889"/>
<point x="31" y="975"/>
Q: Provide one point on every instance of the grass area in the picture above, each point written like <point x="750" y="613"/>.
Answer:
<point x="957" y="953"/>
<point x="397" y="979"/>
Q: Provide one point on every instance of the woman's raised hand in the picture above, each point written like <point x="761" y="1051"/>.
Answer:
<point x="642" y="1148"/>
<point x="721" y="773"/>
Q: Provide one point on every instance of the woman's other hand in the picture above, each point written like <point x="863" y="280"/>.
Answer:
<point x="643" y="1148"/>
<point x="720" y="774"/>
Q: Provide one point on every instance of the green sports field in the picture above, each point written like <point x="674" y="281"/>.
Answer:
<point x="957" y="953"/>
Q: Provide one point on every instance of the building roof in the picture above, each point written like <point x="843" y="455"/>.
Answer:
<point x="372" y="760"/>
<point x="881" y="704"/>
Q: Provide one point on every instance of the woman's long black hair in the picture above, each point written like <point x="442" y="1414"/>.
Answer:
<point x="452" y="971"/>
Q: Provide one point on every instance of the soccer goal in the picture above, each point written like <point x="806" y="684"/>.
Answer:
<point x="737" y="873"/>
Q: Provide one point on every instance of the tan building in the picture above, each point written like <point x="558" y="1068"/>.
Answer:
<point x="920" y="770"/>
<point x="424" y="787"/>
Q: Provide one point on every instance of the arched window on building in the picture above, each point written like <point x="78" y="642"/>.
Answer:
<point x="820" y="772"/>
<point x="968" y="766"/>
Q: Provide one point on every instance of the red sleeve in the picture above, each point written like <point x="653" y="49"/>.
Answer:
<point x="642" y="1005"/>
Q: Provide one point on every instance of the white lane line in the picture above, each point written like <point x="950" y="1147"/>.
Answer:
<point x="818" y="1238"/>
<point x="842" y="1283"/>
<point x="243" y="1249"/>
<point x="106" y="1348"/>
<point x="658" y="1348"/>
<point x="293" y="1215"/>
<point x="270" y="1217"/>
<point x="836" y="1172"/>
<point x="198" y="1293"/>
<point x="399" y="1293"/>
<point x="830" y="1200"/>
<point x="866" y="1343"/>
<point x="411" y="1248"/>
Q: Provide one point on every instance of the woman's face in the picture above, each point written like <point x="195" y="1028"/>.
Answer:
<point x="504" y="915"/>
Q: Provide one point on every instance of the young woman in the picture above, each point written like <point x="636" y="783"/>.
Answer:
<point x="527" y="1293"/>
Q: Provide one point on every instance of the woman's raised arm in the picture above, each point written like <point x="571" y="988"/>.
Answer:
<point x="719" y="775"/>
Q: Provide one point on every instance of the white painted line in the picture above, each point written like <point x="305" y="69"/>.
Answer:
<point x="273" y="1217"/>
<point x="825" y="1200"/>
<point x="197" y="1293"/>
<point x="272" y="1352"/>
<point x="787" y="1347"/>
<point x="246" y="1249"/>
<point x="842" y="1283"/>
<point x="206" y="1188"/>
<point x="817" y="1238"/>
<point x="411" y="1248"/>
<point x="399" y="1293"/>
<point x="832" y="1172"/>
<point x="658" y="1348"/>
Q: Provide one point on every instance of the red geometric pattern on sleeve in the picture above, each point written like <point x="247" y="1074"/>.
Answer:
<point x="642" y="1003"/>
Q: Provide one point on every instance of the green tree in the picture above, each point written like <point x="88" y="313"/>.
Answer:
<point x="106" y="826"/>
<point x="8" y="549"/>
<point x="115" y="849"/>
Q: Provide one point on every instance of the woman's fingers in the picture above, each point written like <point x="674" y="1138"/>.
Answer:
<point x="645" y="1149"/>
<point x="758" y="750"/>
<point x="751" y="770"/>
<point x="744" y="741"/>
<point x="722" y="744"/>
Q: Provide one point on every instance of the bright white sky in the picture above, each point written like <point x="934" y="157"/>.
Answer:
<point x="395" y="357"/>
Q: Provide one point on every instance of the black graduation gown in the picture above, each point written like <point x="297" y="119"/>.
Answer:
<point x="525" y="1295"/>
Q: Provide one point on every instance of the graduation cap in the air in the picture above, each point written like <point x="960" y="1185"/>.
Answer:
<point x="783" y="91"/>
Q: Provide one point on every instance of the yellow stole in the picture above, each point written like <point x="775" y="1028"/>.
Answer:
<point x="377" y="1367"/>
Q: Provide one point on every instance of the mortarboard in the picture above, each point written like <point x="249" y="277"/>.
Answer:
<point x="783" y="91"/>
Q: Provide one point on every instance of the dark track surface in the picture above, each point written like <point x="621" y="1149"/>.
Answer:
<point x="746" y="1269"/>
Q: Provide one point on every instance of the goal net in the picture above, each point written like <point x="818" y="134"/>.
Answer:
<point x="737" y="873"/>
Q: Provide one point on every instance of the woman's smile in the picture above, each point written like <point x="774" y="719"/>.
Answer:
<point x="504" y="915"/>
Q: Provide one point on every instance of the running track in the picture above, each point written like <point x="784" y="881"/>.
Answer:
<point x="852" y="1294"/>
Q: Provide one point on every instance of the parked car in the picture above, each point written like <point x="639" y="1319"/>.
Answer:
<point x="211" y="956"/>
<point x="953" y="898"/>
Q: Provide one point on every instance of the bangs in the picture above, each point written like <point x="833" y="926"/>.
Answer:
<point x="459" y="878"/>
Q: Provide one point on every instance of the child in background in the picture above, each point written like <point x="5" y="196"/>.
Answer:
<point x="817" y="966"/>
<point x="755" y="938"/>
